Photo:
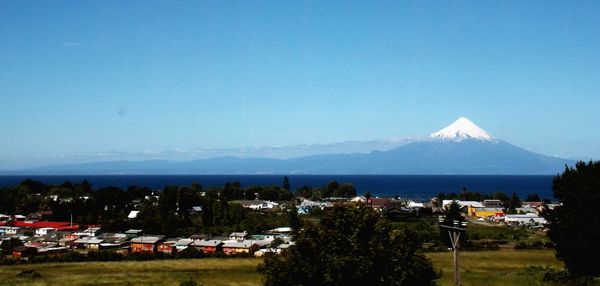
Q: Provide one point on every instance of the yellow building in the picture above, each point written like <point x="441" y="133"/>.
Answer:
<point x="484" y="212"/>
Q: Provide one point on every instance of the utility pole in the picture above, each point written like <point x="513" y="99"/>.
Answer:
<point x="454" y="233"/>
<point x="455" y="238"/>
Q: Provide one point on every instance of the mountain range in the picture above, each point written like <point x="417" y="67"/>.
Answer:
<point x="462" y="148"/>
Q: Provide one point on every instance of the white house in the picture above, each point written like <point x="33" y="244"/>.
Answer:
<point x="359" y="199"/>
<point x="526" y="210"/>
<point x="463" y="203"/>
<point x="10" y="230"/>
<point x="285" y="230"/>
<point x="90" y="231"/>
<point x="238" y="236"/>
<point x="412" y="204"/>
<point x="183" y="244"/>
<point x="44" y="231"/>
<point x="133" y="214"/>
<point x="524" y="219"/>
<point x="258" y="204"/>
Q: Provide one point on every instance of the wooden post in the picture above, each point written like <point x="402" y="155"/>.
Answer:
<point x="454" y="239"/>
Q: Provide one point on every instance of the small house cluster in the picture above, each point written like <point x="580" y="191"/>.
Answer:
<point x="529" y="214"/>
<point x="32" y="238"/>
<point x="396" y="205"/>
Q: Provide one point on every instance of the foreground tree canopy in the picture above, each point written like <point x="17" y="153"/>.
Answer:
<point x="350" y="247"/>
<point x="574" y="227"/>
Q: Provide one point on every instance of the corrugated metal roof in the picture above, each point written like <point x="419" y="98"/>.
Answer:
<point x="184" y="242"/>
<point x="489" y="209"/>
<point x="147" y="239"/>
<point x="89" y="241"/>
<point x="207" y="242"/>
<point x="243" y="244"/>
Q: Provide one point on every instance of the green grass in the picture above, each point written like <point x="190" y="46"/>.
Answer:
<point x="507" y="267"/>
<point x="209" y="271"/>
<point x="477" y="231"/>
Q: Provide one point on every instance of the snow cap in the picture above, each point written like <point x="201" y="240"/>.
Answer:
<point x="463" y="129"/>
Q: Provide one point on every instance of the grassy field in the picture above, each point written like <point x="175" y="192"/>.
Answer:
<point x="209" y="271"/>
<point x="505" y="267"/>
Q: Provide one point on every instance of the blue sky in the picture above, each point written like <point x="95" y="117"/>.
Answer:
<point x="89" y="77"/>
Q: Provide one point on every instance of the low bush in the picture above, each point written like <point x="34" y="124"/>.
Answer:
<point x="538" y="244"/>
<point x="29" y="273"/>
<point x="190" y="252"/>
<point x="110" y="255"/>
<point x="482" y="245"/>
<point x="104" y="256"/>
<point x="188" y="282"/>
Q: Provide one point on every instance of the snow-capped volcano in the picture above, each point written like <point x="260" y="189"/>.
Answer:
<point x="463" y="129"/>
<point x="462" y="148"/>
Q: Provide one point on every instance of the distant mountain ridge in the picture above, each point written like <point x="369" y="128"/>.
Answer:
<point x="462" y="148"/>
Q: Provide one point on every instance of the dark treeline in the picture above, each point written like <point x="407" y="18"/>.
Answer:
<point x="174" y="211"/>
<point x="111" y="255"/>
<point x="332" y="189"/>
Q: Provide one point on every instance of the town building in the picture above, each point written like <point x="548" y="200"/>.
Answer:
<point x="239" y="236"/>
<point x="493" y="204"/>
<point x="208" y="246"/>
<point x="257" y="204"/>
<point x="463" y="204"/>
<point x="9" y="230"/>
<point x="145" y="244"/>
<point x="231" y="248"/>
<point x="530" y="219"/>
<point x="132" y="233"/>
<point x="24" y="252"/>
<point x="484" y="212"/>
<point x="89" y="243"/>
<point x="167" y="247"/>
<point x="183" y="244"/>
<point x="44" y="231"/>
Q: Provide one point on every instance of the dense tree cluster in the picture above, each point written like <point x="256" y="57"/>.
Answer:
<point x="574" y="226"/>
<point x="332" y="189"/>
<point x="350" y="246"/>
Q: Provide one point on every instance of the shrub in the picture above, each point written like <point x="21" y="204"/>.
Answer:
<point x="482" y="245"/>
<point x="104" y="256"/>
<point x="29" y="273"/>
<point x="71" y="256"/>
<point x="189" y="252"/>
<point x="556" y="276"/>
<point x="188" y="282"/>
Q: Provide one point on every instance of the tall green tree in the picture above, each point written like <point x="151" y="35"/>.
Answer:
<point x="513" y="203"/>
<point x="350" y="247"/>
<point x="286" y="183"/>
<point x="346" y="190"/>
<point x="533" y="198"/>
<point x="574" y="226"/>
<point x="452" y="213"/>
<point x="293" y="219"/>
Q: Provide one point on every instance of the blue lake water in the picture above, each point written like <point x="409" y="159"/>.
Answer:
<point x="420" y="187"/>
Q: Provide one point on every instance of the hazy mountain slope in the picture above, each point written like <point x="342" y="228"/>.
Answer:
<point x="460" y="148"/>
